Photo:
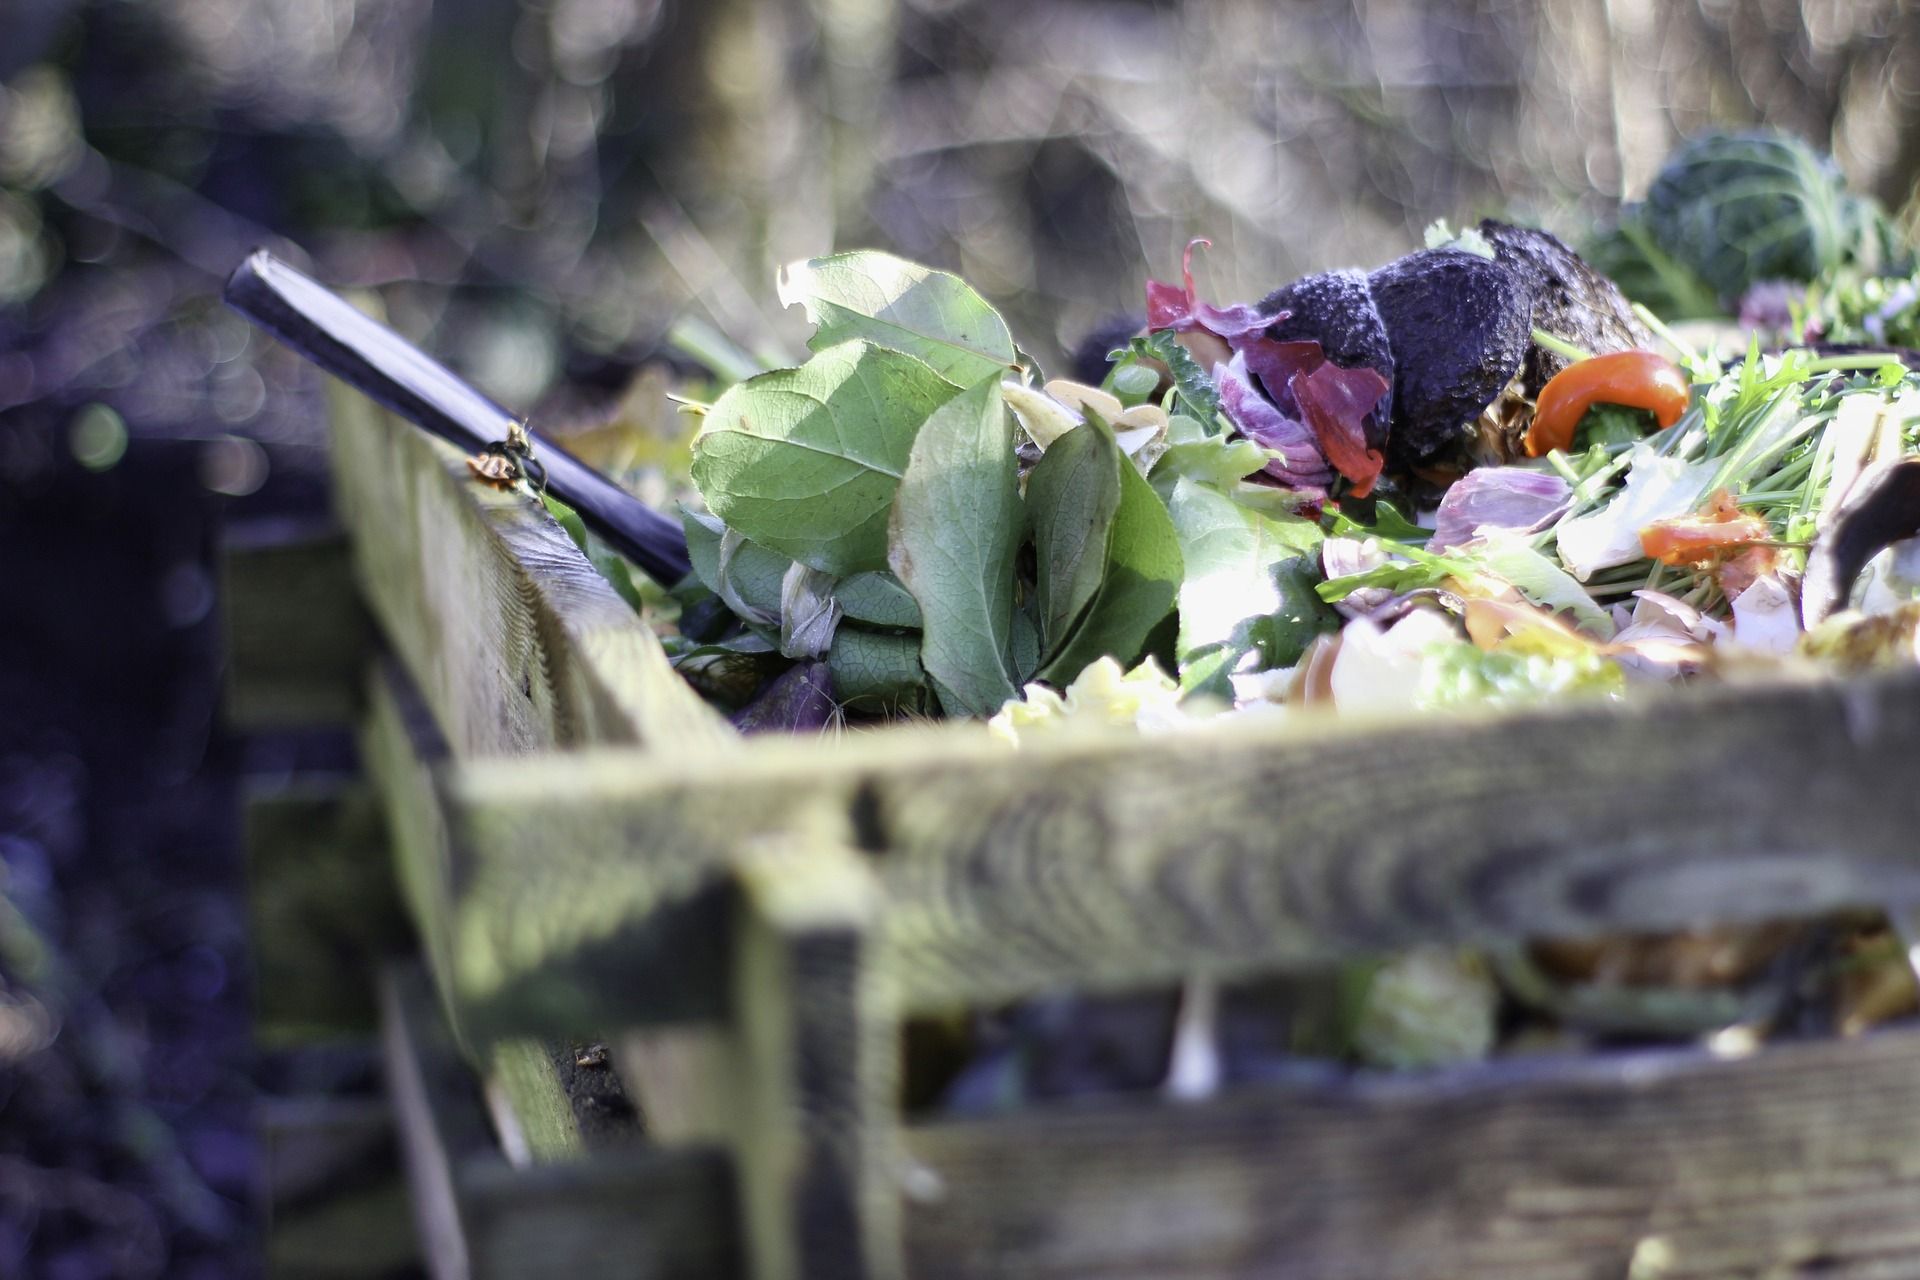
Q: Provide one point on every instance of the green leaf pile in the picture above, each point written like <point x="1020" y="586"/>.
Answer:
<point x="869" y="509"/>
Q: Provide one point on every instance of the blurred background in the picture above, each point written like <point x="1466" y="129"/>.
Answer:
<point x="557" y="196"/>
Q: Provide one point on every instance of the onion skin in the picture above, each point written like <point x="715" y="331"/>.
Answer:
<point x="1635" y="379"/>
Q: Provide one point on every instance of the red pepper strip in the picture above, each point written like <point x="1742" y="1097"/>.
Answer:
<point x="1636" y="379"/>
<point x="1721" y="528"/>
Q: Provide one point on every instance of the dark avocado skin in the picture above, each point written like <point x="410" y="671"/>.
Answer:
<point x="1460" y="326"/>
<point x="1335" y="309"/>
<point x="1448" y="329"/>
<point x="1570" y="299"/>
<point x="1087" y="362"/>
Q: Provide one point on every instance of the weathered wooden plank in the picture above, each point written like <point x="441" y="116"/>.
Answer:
<point x="325" y="911"/>
<point x="443" y="1127"/>
<point x="680" y="1077"/>
<point x="1248" y="845"/>
<point x="336" y="1202"/>
<point x="404" y="755"/>
<point x="523" y="1079"/>
<point x="816" y="1069"/>
<point x="298" y="639"/>
<point x="1802" y="1160"/>
<point x="404" y="751"/>
<point x="637" y="1213"/>
<point x="515" y="641"/>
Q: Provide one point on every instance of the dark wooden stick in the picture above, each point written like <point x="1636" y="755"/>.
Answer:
<point x="365" y="354"/>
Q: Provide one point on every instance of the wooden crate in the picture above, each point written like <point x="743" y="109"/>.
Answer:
<point x="590" y="854"/>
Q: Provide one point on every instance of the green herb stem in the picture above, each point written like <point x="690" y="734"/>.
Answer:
<point x="1559" y="346"/>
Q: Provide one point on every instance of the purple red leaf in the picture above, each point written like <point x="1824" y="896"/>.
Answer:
<point x="1178" y="308"/>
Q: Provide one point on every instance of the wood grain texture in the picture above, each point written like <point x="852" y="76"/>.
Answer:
<point x="406" y="757"/>
<point x="298" y="638"/>
<point x="815" y="1109"/>
<point x="522" y="1071"/>
<point x="516" y="642"/>
<point x="1801" y="1161"/>
<point x="635" y="1214"/>
<point x="1246" y="846"/>
<point x="325" y="913"/>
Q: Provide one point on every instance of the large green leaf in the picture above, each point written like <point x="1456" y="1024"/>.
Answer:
<point x="956" y="527"/>
<point x="806" y="461"/>
<point x="1231" y="554"/>
<point x="1141" y="570"/>
<point x="1073" y="493"/>
<point x="893" y="303"/>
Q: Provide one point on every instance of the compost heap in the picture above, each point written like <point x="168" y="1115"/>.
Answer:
<point x="1473" y="475"/>
<point x="1465" y="476"/>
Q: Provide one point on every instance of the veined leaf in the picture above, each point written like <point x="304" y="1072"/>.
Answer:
<point x="806" y="461"/>
<point x="1141" y="578"/>
<point x="890" y="302"/>
<point x="957" y="524"/>
<point x="1230" y="554"/>
<point x="878" y="599"/>
<point x="872" y="669"/>
<point x="1073" y="493"/>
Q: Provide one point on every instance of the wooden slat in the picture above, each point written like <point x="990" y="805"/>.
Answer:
<point x="325" y="912"/>
<point x="645" y="1214"/>
<point x="405" y="757"/>
<point x="297" y="637"/>
<point x="409" y="761"/>
<point x="1802" y="1160"/>
<point x="523" y="1075"/>
<point x="336" y="1204"/>
<point x="816" y="1101"/>
<point x="516" y="642"/>
<point x="1248" y="845"/>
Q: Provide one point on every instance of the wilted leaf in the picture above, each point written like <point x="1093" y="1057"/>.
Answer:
<point x="799" y="700"/>
<point x="890" y="302"/>
<point x="809" y="615"/>
<point x="806" y="461"/>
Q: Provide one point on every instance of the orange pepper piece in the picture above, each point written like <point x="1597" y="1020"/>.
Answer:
<point x="1636" y="379"/>
<point x="1694" y="539"/>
